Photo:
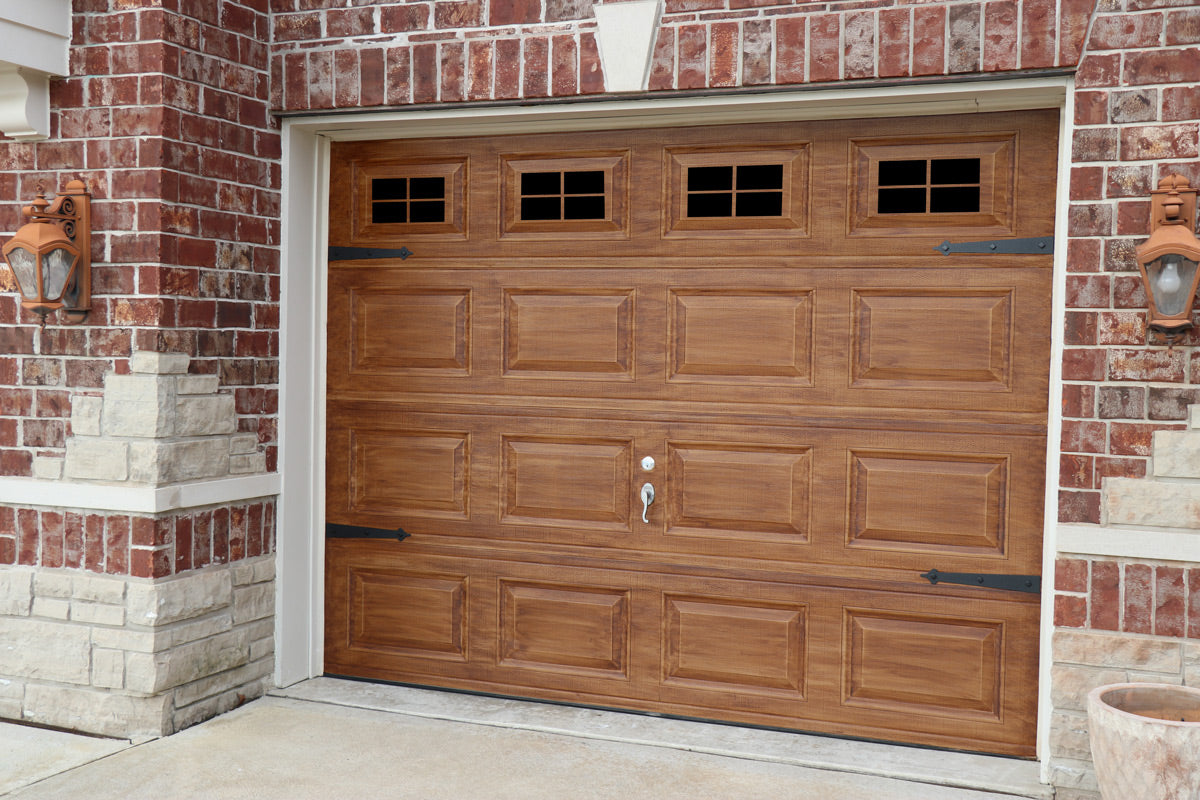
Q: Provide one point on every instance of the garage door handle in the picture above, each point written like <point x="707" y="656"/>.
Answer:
<point x="647" y="500"/>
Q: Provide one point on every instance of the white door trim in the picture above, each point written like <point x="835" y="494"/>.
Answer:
<point x="300" y="536"/>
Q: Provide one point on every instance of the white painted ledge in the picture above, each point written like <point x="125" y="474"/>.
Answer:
<point x="136" y="499"/>
<point x="1157" y="544"/>
<point x="37" y="39"/>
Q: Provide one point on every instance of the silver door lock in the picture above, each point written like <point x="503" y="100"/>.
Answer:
<point x="647" y="500"/>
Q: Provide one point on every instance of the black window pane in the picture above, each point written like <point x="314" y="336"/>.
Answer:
<point x="901" y="201"/>
<point x="427" y="211"/>
<point x="760" y="204"/>
<point x="590" y="182"/>
<point x="389" y="188"/>
<point x="709" y="179"/>
<point x="533" y="208"/>
<point x="710" y="205"/>
<point x="954" y="170"/>
<point x="583" y="208"/>
<point x="953" y="199"/>
<point x="760" y="176"/>
<point x="428" y="188"/>
<point x="541" y="183"/>
<point x="902" y="173"/>
<point x="389" y="213"/>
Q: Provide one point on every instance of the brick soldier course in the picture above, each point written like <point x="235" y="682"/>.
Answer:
<point x="168" y="115"/>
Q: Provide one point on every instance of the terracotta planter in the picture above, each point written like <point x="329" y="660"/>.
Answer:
<point x="1146" y="741"/>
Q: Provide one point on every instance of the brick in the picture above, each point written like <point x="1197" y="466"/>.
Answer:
<point x="1161" y="65"/>
<point x="757" y="52"/>
<point x="1119" y="468"/>
<point x="1171" y="403"/>
<point x="1133" y="438"/>
<point x="1090" y="219"/>
<point x="790" y="54"/>
<point x="1084" y="436"/>
<point x="1078" y="506"/>
<point x="724" y="54"/>
<point x="1138" y="599"/>
<point x="693" y="49"/>
<point x="1126" y="31"/>
<point x="1075" y="471"/>
<point x="1105" y="595"/>
<point x="1170" y="597"/>
<point x="1121" y="402"/>
<point x="1147" y="365"/>
<point x="1070" y="612"/>
<point x="1071" y="575"/>
<point x="1091" y="108"/>
<point x="1193" y="602"/>
<point x="116" y="545"/>
<point x="403" y="18"/>
<point x="1180" y="103"/>
<point x="893" y="45"/>
<point x="1080" y="328"/>
<point x="1083" y="365"/>
<point x="963" y="50"/>
<point x="1037" y="34"/>
<point x="1087" y="183"/>
<point x="1094" y="144"/>
<point x="929" y="40"/>
<point x="479" y="70"/>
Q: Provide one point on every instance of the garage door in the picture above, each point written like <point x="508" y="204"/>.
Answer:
<point x="530" y="336"/>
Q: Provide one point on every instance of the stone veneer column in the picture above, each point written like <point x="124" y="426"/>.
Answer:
<point x="147" y="605"/>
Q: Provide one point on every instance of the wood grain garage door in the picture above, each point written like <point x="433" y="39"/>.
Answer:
<point x="832" y="408"/>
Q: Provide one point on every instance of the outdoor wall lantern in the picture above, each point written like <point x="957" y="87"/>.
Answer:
<point x="1168" y="259"/>
<point x="51" y="256"/>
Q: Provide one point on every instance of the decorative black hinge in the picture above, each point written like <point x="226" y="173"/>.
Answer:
<point x="1008" y="583"/>
<point x="335" y="531"/>
<point x="358" y="253"/>
<point x="1038" y="245"/>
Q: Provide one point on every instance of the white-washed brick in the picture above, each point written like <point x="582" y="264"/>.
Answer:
<point x="51" y="608"/>
<point x="197" y="384"/>
<point x="47" y="468"/>
<point x="96" y="459"/>
<point x="97" y="613"/>
<point x="151" y="363"/>
<point x="85" y="415"/>
<point x="44" y="650"/>
<point x="52" y="584"/>
<point x="205" y="415"/>
<point x="108" y="668"/>
<point x="1123" y="650"/>
<point x="105" y="713"/>
<point x="181" y="598"/>
<point x="243" y="443"/>
<point x="98" y="589"/>
<point x="16" y="591"/>
<point x="248" y="464"/>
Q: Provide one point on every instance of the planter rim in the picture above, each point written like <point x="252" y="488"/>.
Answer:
<point x="1094" y="698"/>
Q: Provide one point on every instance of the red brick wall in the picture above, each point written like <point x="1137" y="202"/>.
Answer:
<point x="1127" y="596"/>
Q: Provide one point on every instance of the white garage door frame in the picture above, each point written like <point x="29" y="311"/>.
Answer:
<point x="300" y="534"/>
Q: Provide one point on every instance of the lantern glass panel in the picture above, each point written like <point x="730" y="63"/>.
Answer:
<point x="1171" y="281"/>
<point x="24" y="264"/>
<point x="56" y="266"/>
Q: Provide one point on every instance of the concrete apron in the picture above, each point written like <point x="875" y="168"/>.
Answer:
<point x="330" y="738"/>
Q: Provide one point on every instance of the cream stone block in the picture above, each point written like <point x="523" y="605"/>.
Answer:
<point x="98" y="588"/>
<point x="104" y="713"/>
<point x="12" y="693"/>
<point x="247" y="464"/>
<point x="108" y="668"/>
<point x="197" y="384"/>
<point x="44" y="650"/>
<point x="243" y="444"/>
<point x="1194" y="416"/>
<point x="164" y="602"/>
<point x="51" y="608"/>
<point x="151" y="363"/>
<point x="207" y="415"/>
<point x="215" y="684"/>
<point x="125" y="639"/>
<point x="16" y="591"/>
<point x="52" y="584"/>
<point x="1127" y="651"/>
<point x="85" y="415"/>
<point x="1069" y="685"/>
<point x="143" y="671"/>
<point x="97" y="613"/>
<point x="1159" y="503"/>
<point x="138" y="406"/>
<point x="263" y="648"/>
<point x="47" y="468"/>
<point x="171" y="462"/>
<point x="1069" y="736"/>
<point x="96" y="459"/>
<point x="1068" y="774"/>
<point x="206" y="657"/>
<point x="1177" y="454"/>
<point x="264" y="569"/>
<point x="253" y="602"/>
<point x="184" y="632"/>
<point x="198" y="712"/>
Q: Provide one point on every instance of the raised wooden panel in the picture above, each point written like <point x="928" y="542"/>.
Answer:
<point x="453" y="173"/>
<point x="568" y="334"/>
<point x="963" y="501"/>
<point x="425" y="332"/>
<point x="424" y="473"/>
<point x="613" y="222"/>
<point x="932" y="339"/>
<point x="734" y="645"/>
<point x="922" y="663"/>
<point x="739" y="491"/>
<point x="996" y="179"/>
<point x="731" y="336"/>
<point x="564" y="628"/>
<point x="552" y="481"/>
<point x="792" y="215"/>
<point x="407" y="613"/>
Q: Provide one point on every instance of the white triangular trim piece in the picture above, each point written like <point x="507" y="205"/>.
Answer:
<point x="625" y="33"/>
<point x="24" y="103"/>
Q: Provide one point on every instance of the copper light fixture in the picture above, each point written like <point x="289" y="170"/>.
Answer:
<point x="1168" y="259"/>
<point x="51" y="256"/>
